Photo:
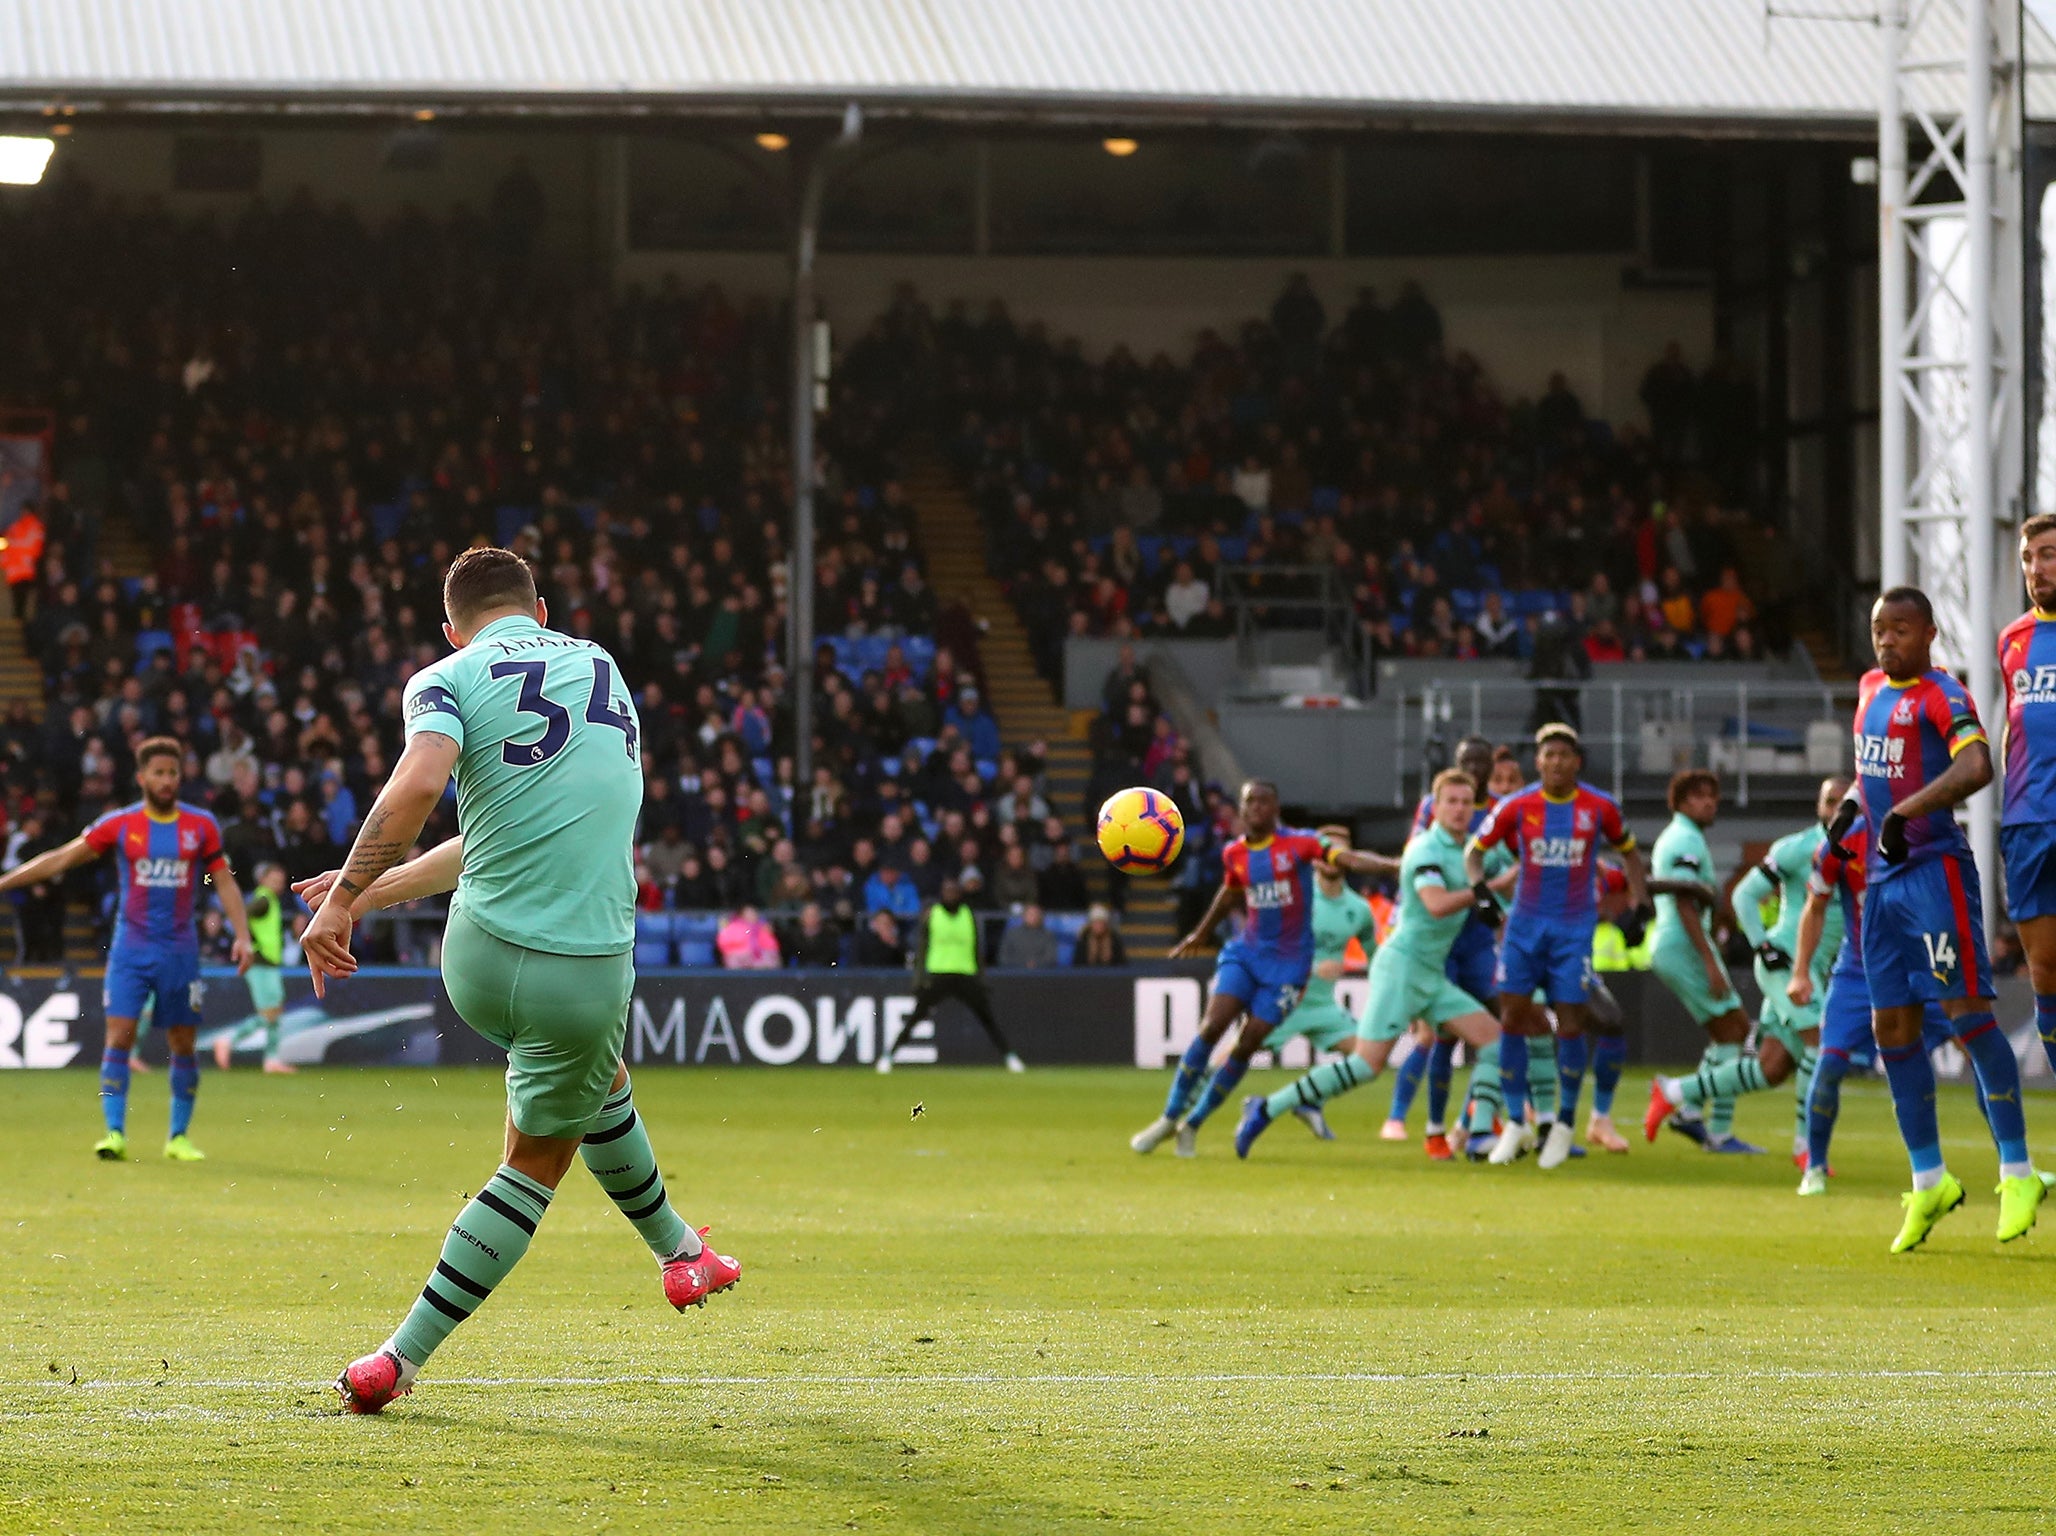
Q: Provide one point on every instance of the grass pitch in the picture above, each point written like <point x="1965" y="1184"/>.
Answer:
<point x="995" y="1318"/>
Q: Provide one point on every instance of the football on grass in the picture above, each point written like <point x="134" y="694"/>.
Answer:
<point x="1140" y="831"/>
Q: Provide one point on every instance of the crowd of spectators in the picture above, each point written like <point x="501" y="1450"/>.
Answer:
<point x="308" y="417"/>
<point x="1117" y="493"/>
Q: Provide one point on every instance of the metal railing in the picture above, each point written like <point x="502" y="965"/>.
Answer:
<point x="1303" y="598"/>
<point x="1710" y="724"/>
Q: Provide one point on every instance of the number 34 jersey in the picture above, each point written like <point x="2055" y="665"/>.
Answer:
<point x="549" y="785"/>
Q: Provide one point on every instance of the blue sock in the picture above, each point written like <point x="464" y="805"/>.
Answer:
<point x="1218" y="1087"/>
<point x="1609" y="1056"/>
<point x="1441" y="1063"/>
<point x="1571" y="1056"/>
<point x="185" y="1087"/>
<point x="114" y="1081"/>
<point x="1406" y="1082"/>
<point x="1912" y="1077"/>
<point x="2045" y="1022"/>
<point x="1823" y="1105"/>
<point x="1191" y="1068"/>
<point x="1998" y="1080"/>
<point x="1513" y="1076"/>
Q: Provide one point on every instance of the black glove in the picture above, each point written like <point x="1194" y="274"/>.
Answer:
<point x="1485" y="902"/>
<point x="1845" y="818"/>
<point x="1892" y="838"/>
<point x="1773" y="958"/>
<point x="1634" y="925"/>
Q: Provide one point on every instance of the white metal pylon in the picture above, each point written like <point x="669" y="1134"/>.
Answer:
<point x="1951" y="334"/>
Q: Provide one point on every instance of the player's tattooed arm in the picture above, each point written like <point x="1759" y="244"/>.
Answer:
<point x="391" y="828"/>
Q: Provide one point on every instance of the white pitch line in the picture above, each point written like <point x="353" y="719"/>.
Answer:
<point x="1109" y="1379"/>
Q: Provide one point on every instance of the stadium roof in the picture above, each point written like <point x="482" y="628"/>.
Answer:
<point x="1712" y="65"/>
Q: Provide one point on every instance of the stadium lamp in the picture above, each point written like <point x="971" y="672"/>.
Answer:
<point x="22" y="160"/>
<point x="1120" y="149"/>
<point x="773" y="142"/>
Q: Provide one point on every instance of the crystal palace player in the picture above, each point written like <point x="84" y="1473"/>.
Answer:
<point x="166" y="850"/>
<point x="1921" y="752"/>
<point x="1845" y="1034"/>
<point x="1556" y="827"/>
<point x="1269" y="872"/>
<point x="2027" y="827"/>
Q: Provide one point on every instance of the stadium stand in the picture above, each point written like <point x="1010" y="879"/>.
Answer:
<point x="310" y="416"/>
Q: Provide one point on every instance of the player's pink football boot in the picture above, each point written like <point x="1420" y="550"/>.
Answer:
<point x="1661" y="1107"/>
<point x="689" y="1282"/>
<point x="367" y="1385"/>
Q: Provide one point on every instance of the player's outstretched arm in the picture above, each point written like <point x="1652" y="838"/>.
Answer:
<point x="1813" y="921"/>
<point x="1226" y="899"/>
<point x="1363" y="862"/>
<point x="1638" y="877"/>
<point x="48" y="866"/>
<point x="395" y="821"/>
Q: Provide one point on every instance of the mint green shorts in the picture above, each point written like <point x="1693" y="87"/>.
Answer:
<point x="1783" y="1019"/>
<point x="560" y="1018"/>
<point x="1325" y="1023"/>
<point x="1404" y="989"/>
<point x="1678" y="966"/>
<point x="267" y="985"/>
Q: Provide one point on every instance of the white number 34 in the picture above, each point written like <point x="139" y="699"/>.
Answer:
<point x="1941" y="951"/>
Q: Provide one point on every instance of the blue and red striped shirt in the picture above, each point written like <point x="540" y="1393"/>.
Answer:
<point x="1557" y="842"/>
<point x="1906" y="735"/>
<point x="162" y="863"/>
<point x="1278" y="875"/>
<point x="1834" y="875"/>
<point x="2027" y="671"/>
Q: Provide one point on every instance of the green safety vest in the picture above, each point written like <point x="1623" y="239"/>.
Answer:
<point x="267" y="928"/>
<point x="1609" y="948"/>
<point x="952" y="941"/>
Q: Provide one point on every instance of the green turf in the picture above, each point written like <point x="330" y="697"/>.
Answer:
<point x="996" y="1318"/>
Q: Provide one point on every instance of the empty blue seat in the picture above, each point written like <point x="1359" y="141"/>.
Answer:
<point x="652" y="938"/>
<point x="695" y="933"/>
<point x="509" y="521"/>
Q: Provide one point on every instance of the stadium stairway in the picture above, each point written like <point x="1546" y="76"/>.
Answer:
<point x="1020" y="698"/>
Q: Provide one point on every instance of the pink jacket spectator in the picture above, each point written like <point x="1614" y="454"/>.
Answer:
<point x="747" y="943"/>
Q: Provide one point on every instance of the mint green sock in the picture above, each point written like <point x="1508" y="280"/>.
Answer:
<point x="617" y="1153"/>
<point x="1320" y="1085"/>
<point x="486" y="1241"/>
<point x="1542" y="1078"/>
<point x="1486" y="1097"/>
<point x="1802" y="1092"/>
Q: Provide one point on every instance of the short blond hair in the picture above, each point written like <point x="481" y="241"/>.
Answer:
<point x="1447" y="777"/>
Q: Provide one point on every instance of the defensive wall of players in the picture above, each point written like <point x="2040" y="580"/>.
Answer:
<point x="1141" y="1015"/>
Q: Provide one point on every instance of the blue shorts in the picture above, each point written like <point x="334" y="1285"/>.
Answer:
<point x="2028" y="855"/>
<point x="1845" y="1021"/>
<point x="1267" y="986"/>
<point x="1554" y="958"/>
<point x="1924" y="935"/>
<point x="1474" y="960"/>
<point x="168" y="978"/>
